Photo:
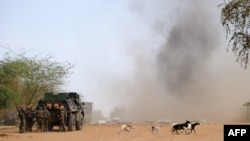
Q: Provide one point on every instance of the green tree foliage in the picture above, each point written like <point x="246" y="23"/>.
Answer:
<point x="8" y="97"/>
<point x="30" y="77"/>
<point x="235" y="17"/>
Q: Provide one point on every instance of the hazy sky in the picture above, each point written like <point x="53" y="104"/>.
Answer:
<point x="133" y="52"/>
<point x="93" y="35"/>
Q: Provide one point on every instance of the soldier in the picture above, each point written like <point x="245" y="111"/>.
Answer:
<point x="28" y="119"/>
<point x="65" y="116"/>
<point x="39" y="118"/>
<point x="46" y="117"/>
<point x="21" y="115"/>
<point x="62" y="119"/>
<point x="33" y="116"/>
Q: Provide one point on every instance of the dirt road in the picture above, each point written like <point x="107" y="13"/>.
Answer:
<point x="109" y="133"/>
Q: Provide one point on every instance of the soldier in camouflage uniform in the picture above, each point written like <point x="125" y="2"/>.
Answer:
<point x="62" y="119"/>
<point x="21" y="115"/>
<point x="28" y="119"/>
<point x="39" y="119"/>
<point x="46" y="118"/>
<point x="33" y="116"/>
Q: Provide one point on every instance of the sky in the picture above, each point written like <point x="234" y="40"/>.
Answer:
<point x="159" y="59"/>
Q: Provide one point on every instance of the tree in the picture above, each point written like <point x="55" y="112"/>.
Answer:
<point x="8" y="97"/>
<point x="235" y="17"/>
<point x="31" y="77"/>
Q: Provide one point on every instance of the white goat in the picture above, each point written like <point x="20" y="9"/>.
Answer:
<point x="126" y="128"/>
<point x="155" y="129"/>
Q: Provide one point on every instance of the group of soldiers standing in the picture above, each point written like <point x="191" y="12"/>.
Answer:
<point x="29" y="116"/>
<point x="42" y="118"/>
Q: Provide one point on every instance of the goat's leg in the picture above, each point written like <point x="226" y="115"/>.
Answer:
<point x="172" y="130"/>
<point x="153" y="131"/>
<point x="185" y="131"/>
<point x="176" y="131"/>
<point x="191" y="131"/>
<point x="118" y="133"/>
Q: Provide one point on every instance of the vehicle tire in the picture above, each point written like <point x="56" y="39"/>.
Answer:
<point x="71" y="124"/>
<point x="79" y="123"/>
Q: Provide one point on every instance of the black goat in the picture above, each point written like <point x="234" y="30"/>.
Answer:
<point x="181" y="126"/>
<point x="193" y="127"/>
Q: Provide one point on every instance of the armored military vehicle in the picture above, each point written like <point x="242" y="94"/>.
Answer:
<point x="72" y="104"/>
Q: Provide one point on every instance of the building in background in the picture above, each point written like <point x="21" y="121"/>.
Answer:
<point x="88" y="106"/>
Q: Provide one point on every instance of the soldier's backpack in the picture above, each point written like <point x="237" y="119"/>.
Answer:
<point x="39" y="113"/>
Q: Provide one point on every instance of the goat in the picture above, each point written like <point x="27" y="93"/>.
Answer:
<point x="193" y="127"/>
<point x="155" y="129"/>
<point x="181" y="126"/>
<point x="126" y="128"/>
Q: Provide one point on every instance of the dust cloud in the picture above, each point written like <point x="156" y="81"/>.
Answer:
<point x="188" y="76"/>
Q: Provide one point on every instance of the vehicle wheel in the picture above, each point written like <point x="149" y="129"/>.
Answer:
<point x="79" y="123"/>
<point x="71" y="124"/>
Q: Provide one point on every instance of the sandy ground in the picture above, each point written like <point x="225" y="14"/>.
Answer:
<point x="109" y="133"/>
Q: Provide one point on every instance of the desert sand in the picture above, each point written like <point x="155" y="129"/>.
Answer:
<point x="204" y="132"/>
